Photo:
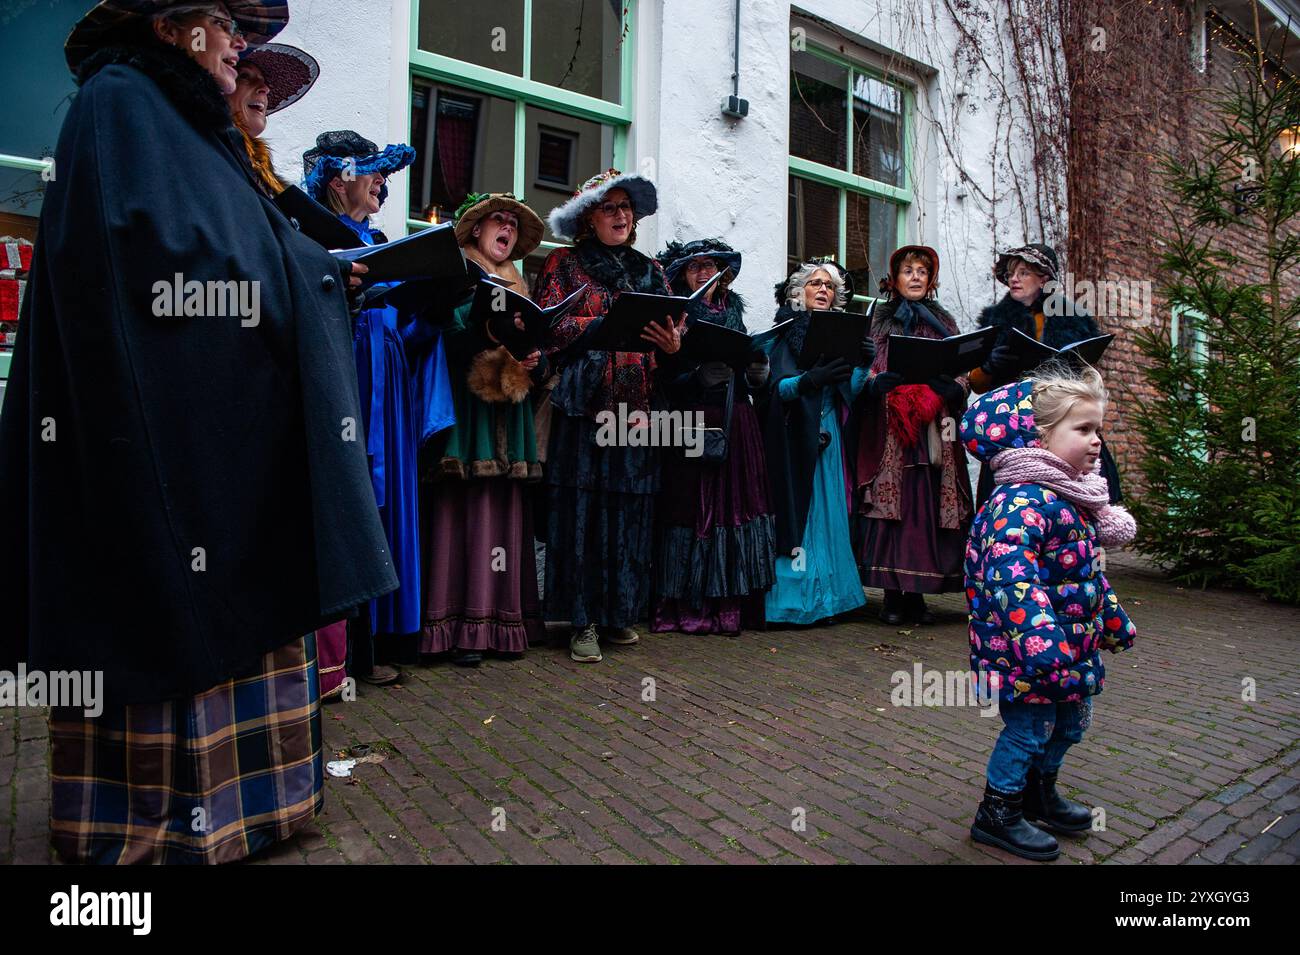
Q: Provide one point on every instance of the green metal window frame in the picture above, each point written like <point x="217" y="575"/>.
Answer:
<point x="1198" y="340"/>
<point x="847" y="182"/>
<point x="24" y="163"/>
<point x="527" y="92"/>
<point x="1198" y="349"/>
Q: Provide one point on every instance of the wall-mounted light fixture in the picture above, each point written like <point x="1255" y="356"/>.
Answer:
<point x="1290" y="142"/>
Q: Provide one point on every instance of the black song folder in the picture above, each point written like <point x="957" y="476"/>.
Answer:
<point x="920" y="359"/>
<point x="315" y="221"/>
<point x="431" y="253"/>
<point x="834" y="334"/>
<point x="1030" y="353"/>
<point x="633" y="312"/>
<point x="495" y="308"/>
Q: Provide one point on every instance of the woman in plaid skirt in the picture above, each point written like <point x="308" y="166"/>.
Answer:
<point x="200" y="509"/>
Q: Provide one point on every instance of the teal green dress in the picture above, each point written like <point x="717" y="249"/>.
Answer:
<point x="825" y="580"/>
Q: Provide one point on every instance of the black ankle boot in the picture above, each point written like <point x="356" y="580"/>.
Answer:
<point x="1049" y="809"/>
<point x="892" y="612"/>
<point x="1000" y="822"/>
<point x="916" y="610"/>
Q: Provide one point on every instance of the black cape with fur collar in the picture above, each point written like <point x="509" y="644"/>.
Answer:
<point x="1058" y="330"/>
<point x="792" y="432"/>
<point x="183" y="494"/>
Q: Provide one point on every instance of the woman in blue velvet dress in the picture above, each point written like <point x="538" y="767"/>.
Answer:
<point x="810" y="421"/>
<point x="399" y="410"/>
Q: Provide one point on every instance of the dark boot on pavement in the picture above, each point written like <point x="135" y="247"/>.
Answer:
<point x="915" y="609"/>
<point x="1000" y="821"/>
<point x="892" y="612"/>
<point x="1049" y="809"/>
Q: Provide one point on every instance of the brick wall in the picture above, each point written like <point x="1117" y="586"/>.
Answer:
<point x="1145" y="99"/>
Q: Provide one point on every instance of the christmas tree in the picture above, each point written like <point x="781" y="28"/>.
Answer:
<point x="1222" y="433"/>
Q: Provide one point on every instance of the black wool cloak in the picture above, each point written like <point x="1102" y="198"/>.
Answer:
<point x="791" y="434"/>
<point x="1059" y="330"/>
<point x="182" y="494"/>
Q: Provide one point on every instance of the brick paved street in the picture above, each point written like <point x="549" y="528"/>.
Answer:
<point x="743" y="732"/>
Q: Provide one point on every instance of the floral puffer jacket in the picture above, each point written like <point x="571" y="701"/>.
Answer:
<point x="1040" y="606"/>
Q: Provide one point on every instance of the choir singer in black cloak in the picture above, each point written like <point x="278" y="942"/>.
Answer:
<point x="186" y="495"/>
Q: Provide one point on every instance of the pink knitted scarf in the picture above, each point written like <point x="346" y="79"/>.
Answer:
<point x="1115" y="525"/>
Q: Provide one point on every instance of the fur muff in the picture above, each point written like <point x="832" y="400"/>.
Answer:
<point x="912" y="408"/>
<point x="494" y="375"/>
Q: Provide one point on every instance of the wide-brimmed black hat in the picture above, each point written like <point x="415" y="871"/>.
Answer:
<point x="289" y="72"/>
<point x="259" y="21"/>
<point x="675" y="257"/>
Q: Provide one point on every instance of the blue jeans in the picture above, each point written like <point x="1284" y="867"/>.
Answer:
<point x="1037" y="735"/>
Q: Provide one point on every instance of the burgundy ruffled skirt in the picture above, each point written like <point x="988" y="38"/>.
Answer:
<point x="481" y="576"/>
<point x="715" y="548"/>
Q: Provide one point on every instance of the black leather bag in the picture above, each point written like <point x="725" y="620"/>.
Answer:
<point x="714" y="446"/>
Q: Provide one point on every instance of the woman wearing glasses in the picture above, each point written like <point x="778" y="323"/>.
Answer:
<point x="600" y="499"/>
<point x="715" y="548"/>
<point x="810" y="427"/>
<point x="187" y="447"/>
<point x="1034" y="306"/>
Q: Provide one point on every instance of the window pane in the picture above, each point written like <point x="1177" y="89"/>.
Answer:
<point x="877" y="130"/>
<point x="533" y="267"/>
<point x="872" y="227"/>
<point x="590" y="148"/>
<point x="38" y="89"/>
<point x="814" y="222"/>
<point x="818" y="110"/>
<point x="464" y="142"/>
<point x="577" y="46"/>
<point x="486" y="32"/>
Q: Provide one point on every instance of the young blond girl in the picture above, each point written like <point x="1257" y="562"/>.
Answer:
<point x="1041" y="608"/>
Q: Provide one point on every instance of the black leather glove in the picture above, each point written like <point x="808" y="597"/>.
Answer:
<point x="868" y="350"/>
<point x="756" y="371"/>
<point x="884" y="383"/>
<point x="1001" y="361"/>
<point x="356" y="299"/>
<point x="946" y="387"/>
<point x="713" y="373"/>
<point x="824" y="373"/>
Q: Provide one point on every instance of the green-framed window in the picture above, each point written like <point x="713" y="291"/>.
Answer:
<point x="40" y="88"/>
<point x="529" y="96"/>
<point x="1186" y="336"/>
<point x="849" y="180"/>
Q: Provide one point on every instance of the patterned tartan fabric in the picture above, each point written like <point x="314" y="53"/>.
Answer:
<point x="208" y="779"/>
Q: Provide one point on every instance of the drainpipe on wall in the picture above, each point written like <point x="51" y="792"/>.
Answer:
<point x="733" y="105"/>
